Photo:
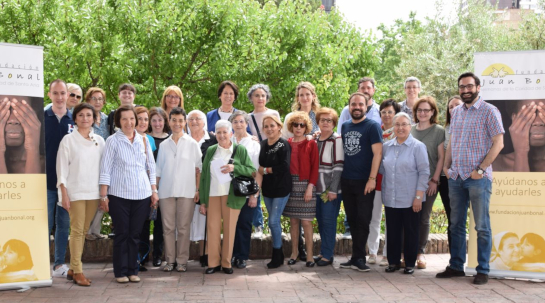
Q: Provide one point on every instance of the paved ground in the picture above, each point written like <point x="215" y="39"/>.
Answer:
<point x="286" y="284"/>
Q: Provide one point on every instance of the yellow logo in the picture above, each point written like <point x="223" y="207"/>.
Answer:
<point x="498" y="70"/>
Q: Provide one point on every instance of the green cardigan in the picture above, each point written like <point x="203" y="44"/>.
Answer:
<point x="243" y="167"/>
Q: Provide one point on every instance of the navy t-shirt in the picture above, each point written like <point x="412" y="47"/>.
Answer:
<point x="55" y="130"/>
<point x="358" y="154"/>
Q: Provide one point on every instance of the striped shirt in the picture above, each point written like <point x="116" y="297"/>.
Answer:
<point x="331" y="162"/>
<point x="471" y="131"/>
<point x="123" y="167"/>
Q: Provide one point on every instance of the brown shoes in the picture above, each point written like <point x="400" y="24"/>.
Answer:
<point x="80" y="280"/>
<point x="70" y="276"/>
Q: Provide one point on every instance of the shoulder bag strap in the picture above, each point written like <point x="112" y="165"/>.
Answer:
<point x="232" y="160"/>
<point x="256" y="128"/>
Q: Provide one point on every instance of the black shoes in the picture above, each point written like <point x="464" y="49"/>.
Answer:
<point x="358" y="265"/>
<point x="277" y="258"/>
<point x="142" y="268"/>
<point x="211" y="270"/>
<point x="408" y="270"/>
<point x="228" y="271"/>
<point x="157" y="261"/>
<point x="393" y="268"/>
<point x="346" y="264"/>
<point x="302" y="252"/>
<point x="322" y="262"/>
<point x="238" y="263"/>
<point x="292" y="261"/>
<point x="310" y="264"/>
<point x="480" y="279"/>
<point x="450" y="273"/>
<point x="317" y="258"/>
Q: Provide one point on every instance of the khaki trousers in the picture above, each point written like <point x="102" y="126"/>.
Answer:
<point x="176" y="215"/>
<point x="81" y="214"/>
<point x="219" y="254"/>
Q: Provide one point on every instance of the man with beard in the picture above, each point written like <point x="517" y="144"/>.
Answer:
<point x="412" y="89"/>
<point x="366" y="86"/>
<point x="476" y="139"/>
<point x="362" y="144"/>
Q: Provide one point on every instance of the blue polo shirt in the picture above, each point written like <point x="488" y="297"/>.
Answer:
<point x="55" y="130"/>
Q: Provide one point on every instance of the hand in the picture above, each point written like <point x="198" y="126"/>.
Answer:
<point x="520" y="128"/>
<point x="65" y="201"/>
<point x="475" y="175"/>
<point x="308" y="193"/>
<point x="417" y="205"/>
<point x="104" y="204"/>
<point x="445" y="171"/>
<point x="252" y="201"/>
<point x="432" y="188"/>
<point x="310" y="137"/>
<point x="256" y="139"/>
<point x="370" y="186"/>
<point x="4" y="116"/>
<point x="154" y="200"/>
<point x="30" y="123"/>
<point x="227" y="168"/>
<point x="331" y="196"/>
<point x="196" y="197"/>
<point x="202" y="209"/>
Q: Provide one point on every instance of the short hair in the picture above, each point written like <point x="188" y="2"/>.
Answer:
<point x="358" y="94"/>
<point x="274" y="118"/>
<point x="231" y="84"/>
<point x="159" y="111"/>
<point x="93" y="90"/>
<point x="327" y="111"/>
<point x="412" y="79"/>
<point x="300" y="115"/>
<point x="315" y="103"/>
<point x="255" y="87"/>
<point x="202" y="115"/>
<point x="58" y="81"/>
<point x="402" y="114"/>
<point x="472" y="75"/>
<point x="126" y="86"/>
<point x="224" y="123"/>
<point x="177" y="111"/>
<point x="433" y="104"/>
<point x="447" y="122"/>
<point x="141" y="109"/>
<point x="366" y="79"/>
<point x="175" y="89"/>
<point x="390" y="102"/>
<point x="73" y="86"/>
<point x="22" y="250"/>
<point x="121" y="109"/>
<point x="240" y="113"/>
<point x="81" y="106"/>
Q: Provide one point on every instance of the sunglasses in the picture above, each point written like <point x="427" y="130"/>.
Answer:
<point x="76" y="96"/>
<point x="301" y="125"/>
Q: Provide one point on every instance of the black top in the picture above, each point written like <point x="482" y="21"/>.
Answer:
<point x="207" y="143"/>
<point x="157" y="143"/>
<point x="276" y="156"/>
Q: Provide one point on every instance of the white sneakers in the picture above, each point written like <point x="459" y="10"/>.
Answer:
<point x="372" y="259"/>
<point x="258" y="233"/>
<point x="61" y="271"/>
<point x="383" y="262"/>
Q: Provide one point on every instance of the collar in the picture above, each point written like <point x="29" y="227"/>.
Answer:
<point x="477" y="104"/>
<point x="230" y="149"/>
<point x="49" y="112"/>
<point x="407" y="142"/>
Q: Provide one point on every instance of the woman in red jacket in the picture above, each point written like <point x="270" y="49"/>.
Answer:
<point x="301" y="206"/>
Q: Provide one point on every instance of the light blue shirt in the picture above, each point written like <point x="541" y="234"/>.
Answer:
<point x="104" y="129"/>
<point x="124" y="167"/>
<point x="405" y="169"/>
<point x="373" y="114"/>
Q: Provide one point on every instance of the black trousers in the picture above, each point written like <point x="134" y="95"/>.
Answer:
<point x="158" y="241"/>
<point x="243" y="232"/>
<point x="359" y="210"/>
<point x="443" y="192"/>
<point x="402" y="229"/>
<point x="128" y="216"/>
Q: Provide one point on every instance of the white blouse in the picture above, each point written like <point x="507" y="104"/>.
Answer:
<point x="78" y="166"/>
<point x="220" y="189"/>
<point x="176" y="164"/>
<point x="253" y="147"/>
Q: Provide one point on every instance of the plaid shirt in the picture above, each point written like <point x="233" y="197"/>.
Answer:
<point x="471" y="132"/>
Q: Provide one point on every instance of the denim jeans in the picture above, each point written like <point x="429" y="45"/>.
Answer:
<point x="326" y="214"/>
<point x="59" y="216"/>
<point x="461" y="192"/>
<point x="275" y="207"/>
<point x="243" y="233"/>
<point x="257" y="220"/>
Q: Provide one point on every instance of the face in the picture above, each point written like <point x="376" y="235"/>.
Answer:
<point x="239" y="124"/>
<point x="84" y="119"/>
<point x="227" y="96"/>
<point x="126" y="97"/>
<point x="157" y="123"/>
<point x="468" y="90"/>
<point x="305" y="97"/>
<point x="367" y="89"/>
<point x="271" y="129"/>
<point x="452" y="104"/>
<point x="537" y="130"/>
<point x="402" y="128"/>
<point x="357" y="107"/>
<point x="528" y="250"/>
<point x="172" y="100"/>
<point x="74" y="97"/>
<point x="177" y="124"/>
<point x="510" y="251"/>
<point x="326" y="123"/>
<point x="424" y="112"/>
<point x="299" y="127"/>
<point x="143" y="123"/>
<point x="224" y="136"/>
<point x="11" y="258"/>
<point x="412" y="89"/>
<point x="128" y="121"/>
<point x="387" y="115"/>
<point x="58" y="95"/>
<point x="196" y="122"/>
<point x="13" y="132"/>
<point x="97" y="101"/>
<point x="259" y="98"/>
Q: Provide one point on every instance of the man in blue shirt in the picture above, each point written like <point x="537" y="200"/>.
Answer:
<point x="362" y="143"/>
<point x="58" y="123"/>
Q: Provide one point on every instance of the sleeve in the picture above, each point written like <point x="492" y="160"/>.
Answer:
<point x="160" y="162"/>
<point x="284" y="155"/>
<point x="63" y="161"/>
<point x="343" y="118"/>
<point x="375" y="133"/>
<point x="107" y="162"/>
<point x="198" y="155"/>
<point x="422" y="165"/>
<point x="150" y="165"/>
<point x="314" y="162"/>
<point x="442" y="135"/>
<point x="254" y="153"/>
<point x="151" y="143"/>
<point x="286" y="134"/>
<point x="244" y="166"/>
<point x="494" y="123"/>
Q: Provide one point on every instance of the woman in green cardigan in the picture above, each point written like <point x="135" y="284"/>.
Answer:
<point x="217" y="198"/>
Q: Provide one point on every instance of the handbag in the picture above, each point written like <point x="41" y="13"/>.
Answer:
<point x="242" y="186"/>
<point x="153" y="211"/>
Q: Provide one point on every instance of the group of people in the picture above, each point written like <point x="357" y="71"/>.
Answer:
<point x="134" y="162"/>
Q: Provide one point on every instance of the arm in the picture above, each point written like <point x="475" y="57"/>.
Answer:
<point x="423" y="167"/>
<point x="497" y="146"/>
<point x="377" y="158"/>
<point x="253" y="199"/>
<point x="4" y="116"/>
<point x="63" y="168"/>
<point x="432" y="186"/>
<point x="338" y="166"/>
<point x="520" y="136"/>
<point x="31" y="126"/>
<point x="243" y="167"/>
<point x="313" y="176"/>
<point x="448" y="159"/>
<point x="104" y="198"/>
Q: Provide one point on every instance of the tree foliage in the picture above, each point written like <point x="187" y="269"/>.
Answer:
<point x="194" y="44"/>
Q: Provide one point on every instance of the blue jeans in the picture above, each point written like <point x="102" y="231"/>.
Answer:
<point x="243" y="233"/>
<point x="461" y="192"/>
<point x="326" y="214"/>
<point x="59" y="216"/>
<point x="258" y="214"/>
<point x="275" y="207"/>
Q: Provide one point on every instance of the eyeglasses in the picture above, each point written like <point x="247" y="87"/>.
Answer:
<point x="172" y="97"/>
<point x="237" y="122"/>
<point x="325" y="120"/>
<point x="387" y="112"/>
<point x="423" y="110"/>
<point x="96" y="99"/>
<point x="75" y="96"/>
<point x="412" y="87"/>
<point x="463" y="87"/>
<point x="300" y="125"/>
<point x="194" y="119"/>
<point x="398" y="125"/>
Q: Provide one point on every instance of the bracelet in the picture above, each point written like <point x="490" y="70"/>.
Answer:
<point x="264" y="170"/>
<point x="434" y="181"/>
<point x="268" y="170"/>
<point x="373" y="178"/>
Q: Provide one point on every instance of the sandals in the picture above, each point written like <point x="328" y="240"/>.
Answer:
<point x="421" y="264"/>
<point x="181" y="268"/>
<point x="168" y="267"/>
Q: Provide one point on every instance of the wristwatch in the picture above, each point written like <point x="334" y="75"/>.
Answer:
<point x="480" y="171"/>
<point x="103" y="198"/>
<point x="155" y="191"/>
<point x="418" y="197"/>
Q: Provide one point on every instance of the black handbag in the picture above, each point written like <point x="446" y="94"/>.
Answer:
<point x="242" y="186"/>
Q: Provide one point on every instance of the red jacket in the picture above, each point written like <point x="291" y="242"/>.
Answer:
<point x="308" y="161"/>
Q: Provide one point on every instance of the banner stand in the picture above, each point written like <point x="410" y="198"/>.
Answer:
<point x="24" y="286"/>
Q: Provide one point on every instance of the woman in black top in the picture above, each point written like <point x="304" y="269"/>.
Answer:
<point x="274" y="165"/>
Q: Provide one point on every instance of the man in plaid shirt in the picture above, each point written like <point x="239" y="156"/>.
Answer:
<point x="476" y="140"/>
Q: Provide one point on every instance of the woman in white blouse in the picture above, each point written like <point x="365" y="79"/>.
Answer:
<point x="78" y="162"/>
<point x="178" y="172"/>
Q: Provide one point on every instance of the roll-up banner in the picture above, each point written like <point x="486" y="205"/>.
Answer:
<point x="24" y="245"/>
<point x="515" y="83"/>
